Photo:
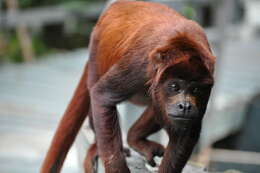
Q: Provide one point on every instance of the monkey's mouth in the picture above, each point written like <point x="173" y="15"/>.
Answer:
<point x="181" y="117"/>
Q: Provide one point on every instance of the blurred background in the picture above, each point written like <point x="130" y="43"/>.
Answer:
<point x="43" y="48"/>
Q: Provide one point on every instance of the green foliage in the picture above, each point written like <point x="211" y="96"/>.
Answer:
<point x="10" y="48"/>
<point x="25" y="3"/>
<point x="189" y="12"/>
<point x="13" y="51"/>
<point x="3" y="47"/>
<point x="39" y="47"/>
<point x="38" y="3"/>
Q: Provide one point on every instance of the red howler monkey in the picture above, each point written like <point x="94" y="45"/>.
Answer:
<point x="145" y="53"/>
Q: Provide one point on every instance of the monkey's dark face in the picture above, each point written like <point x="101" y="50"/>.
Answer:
<point x="184" y="88"/>
<point x="185" y="100"/>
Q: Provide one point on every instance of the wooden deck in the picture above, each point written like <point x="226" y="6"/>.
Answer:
<point x="32" y="99"/>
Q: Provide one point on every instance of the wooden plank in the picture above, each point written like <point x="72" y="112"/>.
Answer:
<point x="235" y="156"/>
<point x="21" y="32"/>
<point x="36" y="17"/>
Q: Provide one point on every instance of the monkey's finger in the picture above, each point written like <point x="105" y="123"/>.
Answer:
<point x="159" y="152"/>
<point x="127" y="152"/>
<point x="151" y="162"/>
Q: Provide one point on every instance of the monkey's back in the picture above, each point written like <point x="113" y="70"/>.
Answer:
<point x="131" y="29"/>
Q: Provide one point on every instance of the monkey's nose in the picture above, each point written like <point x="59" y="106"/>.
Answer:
<point x="184" y="107"/>
<point x="183" y="110"/>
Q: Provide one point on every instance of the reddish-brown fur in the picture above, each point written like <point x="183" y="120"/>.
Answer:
<point x="134" y="47"/>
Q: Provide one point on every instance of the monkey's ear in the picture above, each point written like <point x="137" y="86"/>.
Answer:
<point x="159" y="57"/>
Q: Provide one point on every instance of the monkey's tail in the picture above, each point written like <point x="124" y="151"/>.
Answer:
<point x="68" y="127"/>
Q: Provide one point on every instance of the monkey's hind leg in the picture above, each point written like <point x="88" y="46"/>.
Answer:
<point x="143" y="127"/>
<point x="91" y="160"/>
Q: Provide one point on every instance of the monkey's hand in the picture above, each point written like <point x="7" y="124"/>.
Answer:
<point x="149" y="150"/>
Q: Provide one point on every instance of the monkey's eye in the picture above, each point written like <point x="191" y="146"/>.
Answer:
<point x="175" y="87"/>
<point x="195" y="90"/>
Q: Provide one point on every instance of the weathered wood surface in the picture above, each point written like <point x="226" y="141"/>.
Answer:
<point x="138" y="165"/>
<point x="33" y="98"/>
<point x="36" y="17"/>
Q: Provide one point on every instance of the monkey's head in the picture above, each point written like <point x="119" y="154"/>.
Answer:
<point x="182" y="83"/>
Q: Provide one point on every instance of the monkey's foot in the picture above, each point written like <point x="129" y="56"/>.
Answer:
<point x="116" y="165"/>
<point x="90" y="163"/>
<point x="91" y="159"/>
